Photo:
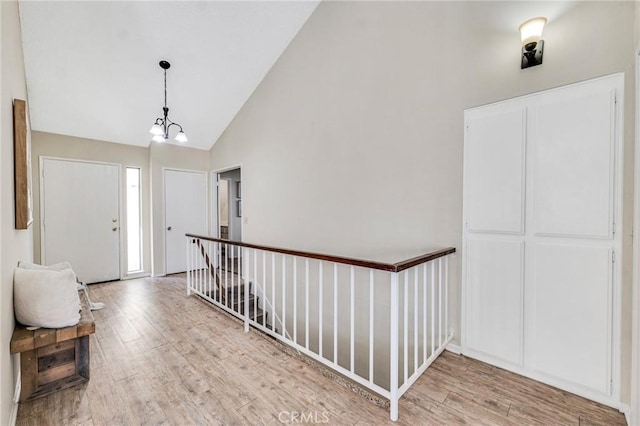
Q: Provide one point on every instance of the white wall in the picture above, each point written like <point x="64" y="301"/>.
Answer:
<point x="635" y="374"/>
<point x="352" y="144"/>
<point x="15" y="245"/>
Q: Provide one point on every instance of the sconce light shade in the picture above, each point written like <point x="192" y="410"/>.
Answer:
<point x="532" y="43"/>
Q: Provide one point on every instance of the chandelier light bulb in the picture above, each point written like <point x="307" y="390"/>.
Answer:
<point x="156" y="130"/>
<point x="181" y="137"/>
<point x="158" y="138"/>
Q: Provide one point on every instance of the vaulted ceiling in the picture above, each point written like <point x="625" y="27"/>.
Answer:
<point x="92" y="66"/>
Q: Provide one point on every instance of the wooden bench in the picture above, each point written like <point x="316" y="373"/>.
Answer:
<point x="52" y="359"/>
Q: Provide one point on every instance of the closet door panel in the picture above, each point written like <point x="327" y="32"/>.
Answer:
<point x="572" y="300"/>
<point x="494" y="287"/>
<point x="494" y="171"/>
<point x="573" y="165"/>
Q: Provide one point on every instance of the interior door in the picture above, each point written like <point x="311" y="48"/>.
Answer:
<point x="80" y="217"/>
<point x="185" y="197"/>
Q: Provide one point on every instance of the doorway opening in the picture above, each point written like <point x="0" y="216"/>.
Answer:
<point x="229" y="209"/>
<point x="223" y="203"/>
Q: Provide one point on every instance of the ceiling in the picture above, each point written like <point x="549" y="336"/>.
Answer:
<point x="92" y="67"/>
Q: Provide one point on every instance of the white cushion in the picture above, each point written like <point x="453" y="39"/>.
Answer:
<point x="46" y="297"/>
<point x="55" y="267"/>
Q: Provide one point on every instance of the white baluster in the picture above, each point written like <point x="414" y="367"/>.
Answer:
<point x="226" y="274"/>
<point x="198" y="268"/>
<point x="247" y="315"/>
<point x="235" y="287"/>
<point x="284" y="295"/>
<point x="335" y="313"/>
<point x="433" y="308"/>
<point x="188" y="252"/>
<point x="424" y="312"/>
<point x="206" y="271"/>
<point x="393" y="348"/>
<point x="200" y="261"/>
<point x="255" y="282"/>
<point x="306" y="303"/>
<point x="295" y="299"/>
<point x="446" y="296"/>
<point x="439" y="302"/>
<point x="320" y="297"/>
<point x="371" y="324"/>
<point x="273" y="291"/>
<point x="416" y="343"/>
<point x="405" y="308"/>
<point x="219" y="274"/>
<point x="264" y="287"/>
<point x="352" y="309"/>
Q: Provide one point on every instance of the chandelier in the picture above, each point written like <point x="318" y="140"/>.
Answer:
<point x="160" y="129"/>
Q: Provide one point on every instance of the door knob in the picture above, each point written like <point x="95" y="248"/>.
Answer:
<point x="114" y="220"/>
<point x="114" y="229"/>
<point x="169" y="228"/>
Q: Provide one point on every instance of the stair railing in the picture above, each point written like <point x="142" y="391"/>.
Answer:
<point x="379" y="324"/>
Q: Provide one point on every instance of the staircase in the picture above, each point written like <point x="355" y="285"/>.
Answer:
<point x="232" y="296"/>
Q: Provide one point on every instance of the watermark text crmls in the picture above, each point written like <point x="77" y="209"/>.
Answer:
<point x="311" y="417"/>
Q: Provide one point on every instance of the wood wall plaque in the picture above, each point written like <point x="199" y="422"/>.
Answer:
<point x="22" y="165"/>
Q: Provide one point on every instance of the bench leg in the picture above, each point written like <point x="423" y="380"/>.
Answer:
<point x="28" y="374"/>
<point x="82" y="356"/>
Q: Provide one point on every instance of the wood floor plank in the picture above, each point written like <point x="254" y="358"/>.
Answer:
<point x="468" y="406"/>
<point x="160" y="357"/>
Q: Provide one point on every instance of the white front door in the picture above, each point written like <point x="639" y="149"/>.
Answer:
<point x="80" y="217"/>
<point x="185" y="198"/>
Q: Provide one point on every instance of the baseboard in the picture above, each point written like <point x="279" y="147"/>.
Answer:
<point x="136" y="275"/>
<point x="626" y="410"/>
<point x="14" y="414"/>
<point x="14" y="403"/>
<point x="454" y="348"/>
<point x="17" y="388"/>
<point x="573" y="388"/>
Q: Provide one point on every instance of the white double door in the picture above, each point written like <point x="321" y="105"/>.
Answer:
<point x="542" y="201"/>
<point x="185" y="197"/>
<point x="81" y="217"/>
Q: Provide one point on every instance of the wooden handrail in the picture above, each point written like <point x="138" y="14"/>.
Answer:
<point x="382" y="266"/>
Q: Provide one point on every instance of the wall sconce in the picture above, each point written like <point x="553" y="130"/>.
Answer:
<point x="532" y="43"/>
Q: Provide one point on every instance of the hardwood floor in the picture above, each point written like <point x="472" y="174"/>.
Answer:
<point x="160" y="357"/>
